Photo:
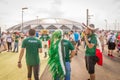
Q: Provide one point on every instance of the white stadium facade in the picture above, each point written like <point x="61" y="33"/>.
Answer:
<point x="50" y="24"/>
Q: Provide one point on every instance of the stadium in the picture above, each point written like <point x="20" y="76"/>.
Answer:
<point x="50" y="24"/>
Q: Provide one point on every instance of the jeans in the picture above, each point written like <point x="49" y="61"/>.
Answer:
<point x="68" y="71"/>
<point x="15" y="46"/>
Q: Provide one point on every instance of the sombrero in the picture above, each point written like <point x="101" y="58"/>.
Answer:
<point x="44" y="31"/>
<point x="90" y="26"/>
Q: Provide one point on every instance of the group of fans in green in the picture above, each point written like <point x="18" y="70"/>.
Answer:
<point x="60" y="48"/>
<point x="61" y="51"/>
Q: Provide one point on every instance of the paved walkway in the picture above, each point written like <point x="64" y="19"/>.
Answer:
<point x="109" y="71"/>
<point x="9" y="69"/>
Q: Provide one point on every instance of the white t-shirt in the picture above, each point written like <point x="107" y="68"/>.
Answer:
<point x="71" y="37"/>
<point x="9" y="38"/>
<point x="66" y="37"/>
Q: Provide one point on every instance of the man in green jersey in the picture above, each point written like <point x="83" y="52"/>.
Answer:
<point x="44" y="38"/>
<point x="90" y="53"/>
<point x="33" y="47"/>
<point x="16" y="42"/>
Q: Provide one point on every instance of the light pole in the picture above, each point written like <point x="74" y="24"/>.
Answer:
<point x="37" y="20"/>
<point x="87" y="13"/>
<point x="22" y="17"/>
<point x="88" y="17"/>
<point x="106" y="23"/>
<point x="115" y="25"/>
<point x="118" y="26"/>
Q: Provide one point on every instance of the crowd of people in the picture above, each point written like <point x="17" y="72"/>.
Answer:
<point x="9" y="42"/>
<point x="61" y="48"/>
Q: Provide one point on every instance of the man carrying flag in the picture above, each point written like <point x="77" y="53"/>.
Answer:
<point x="90" y="53"/>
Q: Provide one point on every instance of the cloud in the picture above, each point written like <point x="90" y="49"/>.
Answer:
<point x="3" y="2"/>
<point x="57" y="2"/>
<point x="116" y="1"/>
<point x="42" y="10"/>
<point x="54" y="10"/>
<point x="72" y="9"/>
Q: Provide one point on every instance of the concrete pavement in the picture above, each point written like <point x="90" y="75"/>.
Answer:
<point x="109" y="71"/>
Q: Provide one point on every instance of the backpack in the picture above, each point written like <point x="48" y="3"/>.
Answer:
<point x="110" y="39"/>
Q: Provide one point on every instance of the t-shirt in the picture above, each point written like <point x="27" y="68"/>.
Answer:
<point x="76" y="36"/>
<point x="45" y="37"/>
<point x="91" y="51"/>
<point x="16" y="38"/>
<point x="9" y="38"/>
<point x="118" y="37"/>
<point x="71" y="38"/>
<point x="101" y="37"/>
<point x="32" y="46"/>
<point x="67" y="47"/>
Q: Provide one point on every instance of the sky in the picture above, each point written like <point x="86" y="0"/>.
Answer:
<point x="75" y="10"/>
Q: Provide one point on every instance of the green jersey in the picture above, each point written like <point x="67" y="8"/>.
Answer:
<point x="16" y="38"/>
<point x="32" y="46"/>
<point x="45" y="37"/>
<point x="91" y="51"/>
<point x="67" y="47"/>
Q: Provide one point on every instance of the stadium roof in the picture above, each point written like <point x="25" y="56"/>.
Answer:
<point x="46" y="23"/>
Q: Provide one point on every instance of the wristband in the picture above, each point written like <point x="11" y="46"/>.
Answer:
<point x="19" y="62"/>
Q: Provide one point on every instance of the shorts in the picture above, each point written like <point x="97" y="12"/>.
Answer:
<point x="111" y="46"/>
<point x="90" y="63"/>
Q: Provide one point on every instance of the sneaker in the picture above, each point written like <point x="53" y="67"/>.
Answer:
<point x="76" y="54"/>
<point x="8" y="51"/>
<point x="109" y="55"/>
<point x="112" y="56"/>
<point x="118" y="51"/>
